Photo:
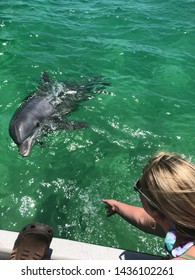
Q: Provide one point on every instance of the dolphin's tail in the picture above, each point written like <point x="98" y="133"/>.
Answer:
<point x="87" y="88"/>
<point x="94" y="85"/>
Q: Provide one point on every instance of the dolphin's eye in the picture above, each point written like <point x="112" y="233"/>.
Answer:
<point x="37" y="124"/>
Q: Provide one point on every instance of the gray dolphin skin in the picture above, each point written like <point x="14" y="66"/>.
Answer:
<point x="43" y="111"/>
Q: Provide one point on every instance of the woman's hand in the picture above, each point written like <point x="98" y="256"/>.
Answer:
<point x="110" y="207"/>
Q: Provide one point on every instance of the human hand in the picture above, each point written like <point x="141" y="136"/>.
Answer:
<point x="110" y="207"/>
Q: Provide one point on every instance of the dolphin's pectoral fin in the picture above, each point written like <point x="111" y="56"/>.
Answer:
<point x="71" y="125"/>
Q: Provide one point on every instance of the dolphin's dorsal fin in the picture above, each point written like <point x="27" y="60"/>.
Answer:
<point x="45" y="83"/>
<point x="45" y="77"/>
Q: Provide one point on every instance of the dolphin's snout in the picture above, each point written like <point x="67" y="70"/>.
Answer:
<point x="25" y="147"/>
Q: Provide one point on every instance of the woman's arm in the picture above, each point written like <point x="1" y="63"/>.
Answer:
<point x="134" y="215"/>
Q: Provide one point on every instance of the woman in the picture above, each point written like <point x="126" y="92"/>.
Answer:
<point x="167" y="193"/>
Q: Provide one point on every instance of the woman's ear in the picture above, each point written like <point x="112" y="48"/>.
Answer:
<point x="159" y="217"/>
<point x="161" y="220"/>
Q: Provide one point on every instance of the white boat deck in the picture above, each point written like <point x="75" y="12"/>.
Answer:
<point x="63" y="249"/>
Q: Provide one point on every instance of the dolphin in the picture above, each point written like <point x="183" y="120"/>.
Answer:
<point x="43" y="110"/>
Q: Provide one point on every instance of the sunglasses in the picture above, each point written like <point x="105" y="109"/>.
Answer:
<point x="137" y="187"/>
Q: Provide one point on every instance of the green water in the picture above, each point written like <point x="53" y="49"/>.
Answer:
<point x="146" y="50"/>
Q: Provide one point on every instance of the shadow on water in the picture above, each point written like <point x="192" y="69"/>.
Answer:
<point x="53" y="212"/>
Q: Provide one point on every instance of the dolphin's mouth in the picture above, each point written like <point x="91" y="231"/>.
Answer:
<point x="25" y="147"/>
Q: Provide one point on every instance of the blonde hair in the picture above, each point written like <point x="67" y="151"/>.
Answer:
<point x="169" y="180"/>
